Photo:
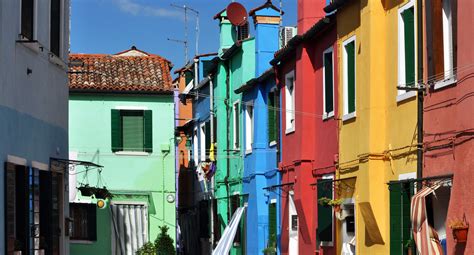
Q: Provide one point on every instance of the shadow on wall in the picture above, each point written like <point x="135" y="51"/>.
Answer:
<point x="389" y="4"/>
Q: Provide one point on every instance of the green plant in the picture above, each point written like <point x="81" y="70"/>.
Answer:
<point x="409" y="243"/>
<point x="164" y="243"/>
<point x="271" y="246"/>
<point x="147" y="249"/>
<point x="330" y="202"/>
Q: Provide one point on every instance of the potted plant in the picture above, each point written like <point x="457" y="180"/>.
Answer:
<point x="86" y="190"/>
<point x="409" y="244"/>
<point x="460" y="229"/>
<point x="102" y="193"/>
<point x="164" y="243"/>
<point x="335" y="203"/>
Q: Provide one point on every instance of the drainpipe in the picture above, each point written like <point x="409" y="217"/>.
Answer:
<point x="211" y="110"/>
<point x="227" y="104"/>
<point x="420" y="93"/>
<point x="196" y="76"/>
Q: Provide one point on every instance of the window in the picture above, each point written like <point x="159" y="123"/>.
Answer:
<point x="84" y="224"/>
<point x="132" y="131"/>
<point x="272" y="105"/>
<point x="236" y="116"/>
<point x="328" y="84"/>
<point x="202" y="141"/>
<point x="33" y="207"/>
<point x="249" y="127"/>
<point x="406" y="47"/>
<point x="27" y="19"/>
<point x="325" y="213"/>
<point x="207" y="139"/>
<point x="272" y="223"/>
<point x="441" y="16"/>
<point x="290" y="102"/>
<point x="349" y="78"/>
<point x="55" y="27"/>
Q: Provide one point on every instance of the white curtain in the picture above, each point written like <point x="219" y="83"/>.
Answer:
<point x="129" y="228"/>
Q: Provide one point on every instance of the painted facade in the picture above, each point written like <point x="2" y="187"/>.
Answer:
<point x="33" y="127"/>
<point x="259" y="118"/>
<point x="236" y="66"/>
<point x="129" y="129"/>
<point x="447" y="70"/>
<point x="377" y="139"/>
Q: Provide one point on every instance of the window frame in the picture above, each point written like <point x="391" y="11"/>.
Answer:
<point x="88" y="239"/>
<point x="249" y="127"/>
<point x="333" y="225"/>
<point x="290" y="127"/>
<point x="35" y="22"/>
<point x="53" y="55"/>
<point x="274" y="91"/>
<point x="326" y="114"/>
<point x="146" y="150"/>
<point x="236" y="125"/>
<point x="450" y="76"/>
<point x="402" y="94"/>
<point x="346" y="114"/>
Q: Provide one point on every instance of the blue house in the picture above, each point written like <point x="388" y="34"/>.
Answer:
<point x="260" y="118"/>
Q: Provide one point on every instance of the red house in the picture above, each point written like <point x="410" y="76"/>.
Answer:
<point x="448" y="71"/>
<point x="306" y="70"/>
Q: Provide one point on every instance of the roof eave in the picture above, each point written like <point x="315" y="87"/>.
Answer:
<point x="336" y="4"/>
<point x="121" y="92"/>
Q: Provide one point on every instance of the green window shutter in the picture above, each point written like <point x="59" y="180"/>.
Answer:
<point x="116" y="131"/>
<point x="148" y="130"/>
<point x="400" y="224"/>
<point x="207" y="129"/>
<point x="271" y="117"/>
<point x="350" y="51"/>
<point x="325" y="216"/>
<point x="272" y="222"/>
<point x="132" y="130"/>
<point x="328" y="82"/>
<point x="409" y="27"/>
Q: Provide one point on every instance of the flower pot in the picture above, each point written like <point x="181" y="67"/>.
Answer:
<point x="86" y="191"/>
<point x="460" y="234"/>
<point x="102" y="193"/>
<point x="337" y="208"/>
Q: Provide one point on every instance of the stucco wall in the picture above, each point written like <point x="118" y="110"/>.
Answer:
<point x="152" y="176"/>
<point x="33" y="108"/>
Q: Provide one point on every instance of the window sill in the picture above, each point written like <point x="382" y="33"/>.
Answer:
<point x="290" y="130"/>
<point x="326" y="244"/>
<point x="32" y="45"/>
<point x="81" y="241"/>
<point x="131" y="153"/>
<point x="272" y="143"/>
<point x="348" y="116"/>
<point x="405" y="96"/>
<point x="445" y="83"/>
<point x="328" y="115"/>
<point x="57" y="61"/>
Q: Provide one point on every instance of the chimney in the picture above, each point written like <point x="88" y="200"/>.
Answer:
<point x="266" y="19"/>
<point x="309" y="12"/>
<point x="226" y="31"/>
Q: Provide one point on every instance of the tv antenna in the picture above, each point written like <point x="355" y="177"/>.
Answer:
<point x="185" y="41"/>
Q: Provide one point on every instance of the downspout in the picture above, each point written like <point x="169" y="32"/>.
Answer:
<point x="211" y="110"/>
<point x="227" y="104"/>
<point x="420" y="93"/>
<point x="196" y="77"/>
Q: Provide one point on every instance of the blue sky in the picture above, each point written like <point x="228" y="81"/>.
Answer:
<point x="111" y="26"/>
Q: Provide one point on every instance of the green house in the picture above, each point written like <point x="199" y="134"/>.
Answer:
<point x="121" y="117"/>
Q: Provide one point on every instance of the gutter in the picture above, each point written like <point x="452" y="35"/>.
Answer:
<point x="121" y="92"/>
<point x="336" y="4"/>
<point x="252" y="82"/>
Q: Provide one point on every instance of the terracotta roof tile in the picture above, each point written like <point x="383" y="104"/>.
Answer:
<point x="101" y="72"/>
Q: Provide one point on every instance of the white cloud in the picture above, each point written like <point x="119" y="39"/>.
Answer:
<point x="134" y="8"/>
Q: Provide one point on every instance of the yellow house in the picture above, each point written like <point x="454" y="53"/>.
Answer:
<point x="378" y="123"/>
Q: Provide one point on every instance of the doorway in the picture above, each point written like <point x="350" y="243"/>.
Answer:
<point x="293" y="226"/>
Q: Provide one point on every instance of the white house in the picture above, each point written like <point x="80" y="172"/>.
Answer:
<point x="34" y="45"/>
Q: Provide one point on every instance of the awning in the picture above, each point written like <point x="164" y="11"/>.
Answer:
<point x="227" y="238"/>
<point x="188" y="88"/>
<point x="426" y="238"/>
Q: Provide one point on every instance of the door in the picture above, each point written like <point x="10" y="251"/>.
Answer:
<point x="293" y="227"/>
<point x="129" y="228"/>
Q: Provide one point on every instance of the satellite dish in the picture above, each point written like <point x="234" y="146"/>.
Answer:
<point x="237" y="14"/>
